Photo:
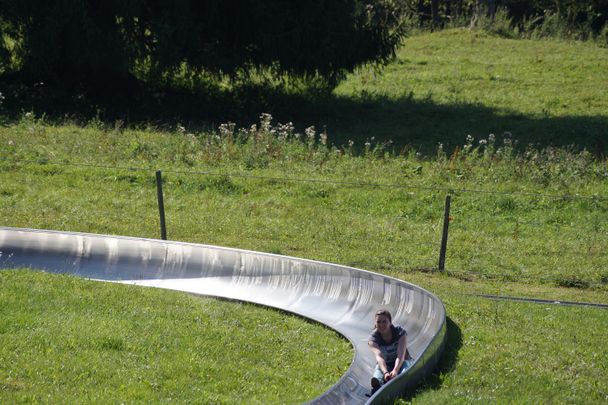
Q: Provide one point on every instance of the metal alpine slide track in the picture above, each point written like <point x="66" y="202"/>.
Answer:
<point x="343" y="298"/>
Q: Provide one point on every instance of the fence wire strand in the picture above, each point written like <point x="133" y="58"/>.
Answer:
<point x="425" y="263"/>
<point x="450" y="190"/>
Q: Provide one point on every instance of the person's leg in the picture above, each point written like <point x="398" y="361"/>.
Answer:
<point x="378" y="375"/>
<point x="377" y="379"/>
<point x="406" y="364"/>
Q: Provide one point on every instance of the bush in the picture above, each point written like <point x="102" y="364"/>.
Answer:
<point x="89" y="42"/>
<point x="581" y="19"/>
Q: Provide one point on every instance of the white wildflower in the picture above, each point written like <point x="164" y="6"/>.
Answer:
<point x="310" y="132"/>
<point x="227" y="129"/>
<point x="323" y="137"/>
<point x="265" y="120"/>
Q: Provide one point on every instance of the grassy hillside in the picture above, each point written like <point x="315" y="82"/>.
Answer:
<point x="526" y="220"/>
<point x="442" y="87"/>
<point x="446" y="85"/>
<point x="534" y="217"/>
<point x="66" y="340"/>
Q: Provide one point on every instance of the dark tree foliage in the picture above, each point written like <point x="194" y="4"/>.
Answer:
<point x="590" y="13"/>
<point x="89" y="41"/>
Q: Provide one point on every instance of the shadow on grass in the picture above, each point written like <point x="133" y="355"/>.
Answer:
<point x="407" y="122"/>
<point x="446" y="364"/>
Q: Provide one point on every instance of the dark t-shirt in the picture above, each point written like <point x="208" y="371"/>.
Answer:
<point x="388" y="349"/>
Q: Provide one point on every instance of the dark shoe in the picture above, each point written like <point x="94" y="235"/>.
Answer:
<point x="375" y="385"/>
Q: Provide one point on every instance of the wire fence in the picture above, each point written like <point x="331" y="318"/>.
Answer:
<point x="349" y="222"/>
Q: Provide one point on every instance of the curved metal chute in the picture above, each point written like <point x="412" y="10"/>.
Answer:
<point x="343" y="298"/>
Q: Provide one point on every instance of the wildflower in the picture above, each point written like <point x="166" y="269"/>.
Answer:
<point x="323" y="137"/>
<point x="469" y="143"/>
<point x="310" y="132"/>
<point x="265" y="119"/>
<point x="483" y="142"/>
<point x="227" y="129"/>
<point x="491" y="138"/>
<point x="350" y="143"/>
<point x="285" y="130"/>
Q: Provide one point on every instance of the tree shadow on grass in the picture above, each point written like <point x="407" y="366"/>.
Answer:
<point x="406" y="122"/>
<point x="423" y="124"/>
<point x="446" y="364"/>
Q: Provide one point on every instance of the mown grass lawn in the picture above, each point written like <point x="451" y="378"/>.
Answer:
<point x="66" y="340"/>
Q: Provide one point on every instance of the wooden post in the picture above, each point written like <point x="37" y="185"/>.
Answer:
<point x="161" y="205"/>
<point x="444" y="237"/>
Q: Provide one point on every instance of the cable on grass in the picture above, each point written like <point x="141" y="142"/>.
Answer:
<point x="540" y="301"/>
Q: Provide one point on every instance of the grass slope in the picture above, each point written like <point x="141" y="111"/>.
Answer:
<point x="442" y="87"/>
<point x="66" y="340"/>
<point x="446" y="85"/>
<point x="535" y="216"/>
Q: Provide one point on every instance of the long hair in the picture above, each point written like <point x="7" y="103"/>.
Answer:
<point x="383" y="312"/>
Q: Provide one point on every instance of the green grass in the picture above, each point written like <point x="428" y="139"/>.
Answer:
<point x="442" y="87"/>
<point x="521" y="353"/>
<point x="526" y="221"/>
<point x="70" y="340"/>
<point x="509" y="352"/>
<point x="67" y="340"/>
<point x="534" y="217"/>
<point x="446" y="85"/>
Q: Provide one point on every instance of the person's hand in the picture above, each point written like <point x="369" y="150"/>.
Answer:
<point x="392" y="375"/>
<point x="388" y="376"/>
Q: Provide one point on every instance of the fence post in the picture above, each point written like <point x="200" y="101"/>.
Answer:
<point x="161" y="205"/>
<point x="444" y="237"/>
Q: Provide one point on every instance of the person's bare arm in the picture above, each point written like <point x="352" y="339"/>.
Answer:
<point x="401" y="350"/>
<point x="379" y="358"/>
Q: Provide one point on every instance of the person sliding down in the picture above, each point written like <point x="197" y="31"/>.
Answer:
<point x="388" y="345"/>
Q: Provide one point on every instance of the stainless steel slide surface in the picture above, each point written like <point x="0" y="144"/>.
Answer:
<point x="343" y="298"/>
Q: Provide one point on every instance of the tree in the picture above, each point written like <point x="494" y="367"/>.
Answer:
<point x="90" y="41"/>
<point x="588" y="16"/>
